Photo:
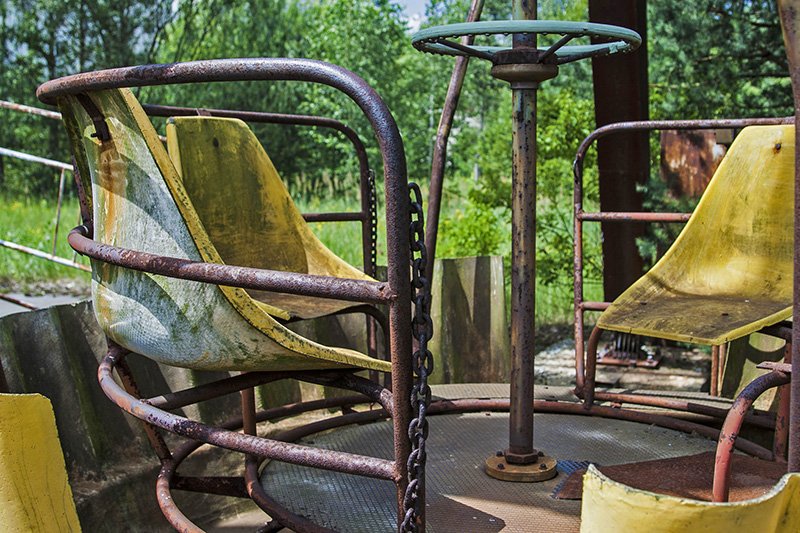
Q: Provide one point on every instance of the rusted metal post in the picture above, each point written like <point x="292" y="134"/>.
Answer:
<point x="523" y="255"/>
<point x="790" y="22"/>
<point x="524" y="75"/>
<point x="730" y="430"/>
<point x="714" y="386"/>
<point x="439" y="158"/>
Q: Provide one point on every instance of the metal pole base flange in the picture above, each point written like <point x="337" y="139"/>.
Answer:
<point x="543" y="469"/>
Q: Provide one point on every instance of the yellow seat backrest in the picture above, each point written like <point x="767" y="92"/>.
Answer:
<point x="139" y="203"/>
<point x="242" y="202"/>
<point x="729" y="272"/>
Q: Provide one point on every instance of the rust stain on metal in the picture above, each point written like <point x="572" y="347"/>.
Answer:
<point x="689" y="159"/>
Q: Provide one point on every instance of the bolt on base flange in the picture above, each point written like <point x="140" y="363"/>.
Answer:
<point x="497" y="467"/>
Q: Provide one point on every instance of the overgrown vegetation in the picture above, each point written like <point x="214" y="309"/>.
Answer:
<point x="720" y="58"/>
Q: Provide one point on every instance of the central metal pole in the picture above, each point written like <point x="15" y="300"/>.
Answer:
<point x="523" y="270"/>
<point x="523" y="254"/>
<point x="524" y="69"/>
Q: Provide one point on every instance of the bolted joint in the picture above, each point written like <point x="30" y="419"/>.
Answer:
<point x="527" y="458"/>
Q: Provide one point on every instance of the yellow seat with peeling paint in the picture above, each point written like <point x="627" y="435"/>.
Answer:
<point x="247" y="211"/>
<point x="140" y="203"/>
<point x="35" y="495"/>
<point x="729" y="272"/>
<point x="608" y="505"/>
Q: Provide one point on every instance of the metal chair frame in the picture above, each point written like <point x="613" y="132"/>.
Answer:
<point x="586" y="353"/>
<point x="395" y="293"/>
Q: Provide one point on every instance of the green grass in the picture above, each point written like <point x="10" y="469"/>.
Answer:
<point x="343" y="238"/>
<point x="31" y="223"/>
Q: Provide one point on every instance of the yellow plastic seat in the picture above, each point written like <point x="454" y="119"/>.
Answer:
<point x="611" y="506"/>
<point x="246" y="209"/>
<point x="729" y="272"/>
<point x="140" y="203"/>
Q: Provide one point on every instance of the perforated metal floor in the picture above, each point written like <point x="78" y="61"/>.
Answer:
<point x="461" y="498"/>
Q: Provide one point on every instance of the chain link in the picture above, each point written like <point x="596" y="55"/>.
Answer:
<point x="373" y="224"/>
<point x="422" y="364"/>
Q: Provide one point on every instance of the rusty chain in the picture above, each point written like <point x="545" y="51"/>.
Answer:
<point x="422" y="363"/>
<point x="373" y="224"/>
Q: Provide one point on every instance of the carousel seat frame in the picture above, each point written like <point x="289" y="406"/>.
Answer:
<point x="396" y="294"/>
<point x="778" y="375"/>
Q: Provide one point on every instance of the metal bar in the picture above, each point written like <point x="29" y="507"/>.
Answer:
<point x="347" y="463"/>
<point x="619" y="216"/>
<point x="17" y="301"/>
<point x="732" y="426"/>
<point x="168" y="507"/>
<point x="157" y="442"/>
<point x="439" y="158"/>
<point x="757" y="418"/>
<point x="784" y="367"/>
<point x="653" y="125"/>
<point x="587" y="391"/>
<point x="465" y="49"/>
<point x="781" y="436"/>
<point x="714" y="386"/>
<point x="5" y="104"/>
<point x="233" y="276"/>
<point x="523" y="254"/>
<point x="219" y="485"/>
<point x="594" y="306"/>
<point x="58" y="209"/>
<point x="43" y="255"/>
<point x="335" y="217"/>
<point x="35" y="159"/>
<point x="207" y="391"/>
<point x="554" y="48"/>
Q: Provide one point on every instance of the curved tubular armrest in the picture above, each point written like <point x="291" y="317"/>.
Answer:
<point x="233" y="276"/>
<point x="654" y="125"/>
<point x="268" y="69"/>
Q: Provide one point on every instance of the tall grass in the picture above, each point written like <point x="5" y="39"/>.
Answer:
<point x="30" y="222"/>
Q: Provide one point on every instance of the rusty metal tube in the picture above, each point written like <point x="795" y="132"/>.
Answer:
<point x="233" y="276"/>
<point x="587" y="391"/>
<point x="523" y="273"/>
<point x="439" y="157"/>
<point x="5" y="104"/>
<point x="730" y="430"/>
<point x="632" y="216"/>
<point x="757" y="418"/>
<point x="290" y="453"/>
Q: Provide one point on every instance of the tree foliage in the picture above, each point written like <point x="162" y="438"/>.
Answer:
<point x="719" y="58"/>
